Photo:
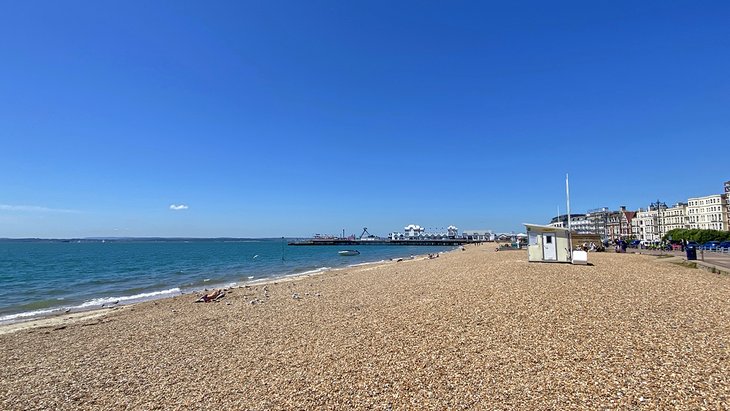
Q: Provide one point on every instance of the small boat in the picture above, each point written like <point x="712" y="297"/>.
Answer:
<point x="349" y="252"/>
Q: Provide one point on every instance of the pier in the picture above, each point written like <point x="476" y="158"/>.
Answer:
<point x="347" y="241"/>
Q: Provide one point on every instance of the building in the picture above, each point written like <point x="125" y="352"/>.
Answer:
<point x="413" y="231"/>
<point x="618" y="226"/>
<point x="709" y="212"/>
<point x="478" y="235"/>
<point x="579" y="223"/>
<point x="598" y="219"/>
<point x="609" y="225"/>
<point x="674" y="217"/>
<point x="647" y="223"/>
<point x="416" y="232"/>
<point x="548" y="244"/>
<point x="452" y="231"/>
<point x="727" y="195"/>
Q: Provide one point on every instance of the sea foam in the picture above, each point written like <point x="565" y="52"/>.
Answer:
<point x="130" y="298"/>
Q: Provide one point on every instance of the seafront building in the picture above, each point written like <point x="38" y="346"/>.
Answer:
<point x="479" y="235"/>
<point x="709" y="212"/>
<point x="416" y="232"/>
<point x="619" y="224"/>
<point x="598" y="218"/>
<point x="674" y="217"/>
<point x="650" y="224"/>
<point x="579" y="223"/>
<point x="648" y="227"/>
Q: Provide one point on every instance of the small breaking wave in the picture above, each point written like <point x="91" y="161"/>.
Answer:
<point x="130" y="298"/>
<point x="29" y="314"/>
<point x="315" y="271"/>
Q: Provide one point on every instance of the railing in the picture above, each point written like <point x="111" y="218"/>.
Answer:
<point x="725" y="250"/>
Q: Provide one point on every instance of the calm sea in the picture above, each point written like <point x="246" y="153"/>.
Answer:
<point x="44" y="278"/>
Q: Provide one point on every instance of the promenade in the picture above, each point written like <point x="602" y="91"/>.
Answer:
<point x="711" y="257"/>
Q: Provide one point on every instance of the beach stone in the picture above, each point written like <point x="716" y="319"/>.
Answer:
<point x="471" y="330"/>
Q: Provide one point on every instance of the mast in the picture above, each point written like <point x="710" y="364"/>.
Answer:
<point x="567" y="197"/>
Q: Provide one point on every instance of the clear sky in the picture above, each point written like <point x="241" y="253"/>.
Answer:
<point x="272" y="118"/>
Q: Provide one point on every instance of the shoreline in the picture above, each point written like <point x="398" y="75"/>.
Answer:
<point x="57" y="319"/>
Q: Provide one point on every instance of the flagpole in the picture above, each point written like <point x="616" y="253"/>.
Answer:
<point x="567" y="196"/>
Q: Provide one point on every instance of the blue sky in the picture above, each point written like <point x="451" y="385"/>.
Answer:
<point x="273" y="118"/>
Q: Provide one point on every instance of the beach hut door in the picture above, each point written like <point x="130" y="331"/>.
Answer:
<point x="549" y="251"/>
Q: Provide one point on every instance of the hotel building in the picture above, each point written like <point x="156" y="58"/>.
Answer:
<point x="709" y="212"/>
<point x="674" y="217"/>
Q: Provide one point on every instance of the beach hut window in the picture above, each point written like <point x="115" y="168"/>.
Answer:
<point x="533" y="239"/>
<point x="549" y="239"/>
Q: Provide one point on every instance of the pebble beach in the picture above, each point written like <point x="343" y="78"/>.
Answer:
<point x="474" y="329"/>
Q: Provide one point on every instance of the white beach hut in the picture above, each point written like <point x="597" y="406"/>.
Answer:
<point x="548" y="244"/>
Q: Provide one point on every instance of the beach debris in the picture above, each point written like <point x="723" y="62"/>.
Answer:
<point x="68" y="310"/>
<point x="216" y="295"/>
<point x="296" y="296"/>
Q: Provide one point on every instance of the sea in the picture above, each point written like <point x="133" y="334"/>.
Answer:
<point x="42" y="277"/>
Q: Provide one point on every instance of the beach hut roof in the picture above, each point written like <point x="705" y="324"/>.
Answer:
<point x="544" y="227"/>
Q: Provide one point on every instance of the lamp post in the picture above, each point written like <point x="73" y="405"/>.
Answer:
<point x="658" y="206"/>
<point x="659" y="219"/>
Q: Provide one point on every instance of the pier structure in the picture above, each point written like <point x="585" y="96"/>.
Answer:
<point x="383" y="241"/>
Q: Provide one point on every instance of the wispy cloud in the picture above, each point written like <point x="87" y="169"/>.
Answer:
<point x="178" y="207"/>
<point x="34" y="209"/>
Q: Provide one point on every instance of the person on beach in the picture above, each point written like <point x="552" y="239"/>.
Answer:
<point x="215" y="295"/>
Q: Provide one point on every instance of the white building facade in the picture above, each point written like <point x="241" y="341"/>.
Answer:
<point x="709" y="212"/>
<point x="416" y="232"/>
<point x="647" y="225"/>
<point x="579" y="223"/>
<point x="674" y="217"/>
<point x="478" y="235"/>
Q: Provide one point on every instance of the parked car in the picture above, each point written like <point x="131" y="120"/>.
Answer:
<point x="693" y="244"/>
<point x="710" y="245"/>
<point x="635" y="243"/>
<point x="724" y="245"/>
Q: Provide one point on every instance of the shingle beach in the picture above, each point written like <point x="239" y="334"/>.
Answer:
<point x="476" y="329"/>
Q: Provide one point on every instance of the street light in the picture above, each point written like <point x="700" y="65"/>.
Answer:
<point x="658" y="206"/>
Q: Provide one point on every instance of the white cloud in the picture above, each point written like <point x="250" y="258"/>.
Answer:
<point x="178" y="207"/>
<point x="34" y="209"/>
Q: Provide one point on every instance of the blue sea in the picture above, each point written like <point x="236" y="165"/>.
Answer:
<point x="40" y="278"/>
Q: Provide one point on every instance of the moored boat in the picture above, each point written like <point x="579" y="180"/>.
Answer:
<point x="348" y="252"/>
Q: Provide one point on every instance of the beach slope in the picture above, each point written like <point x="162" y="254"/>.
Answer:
<point x="471" y="329"/>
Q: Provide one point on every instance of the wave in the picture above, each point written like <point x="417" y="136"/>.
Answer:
<point x="29" y="314"/>
<point x="368" y="263"/>
<point x="129" y="298"/>
<point x="93" y="303"/>
<point x="315" y="271"/>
